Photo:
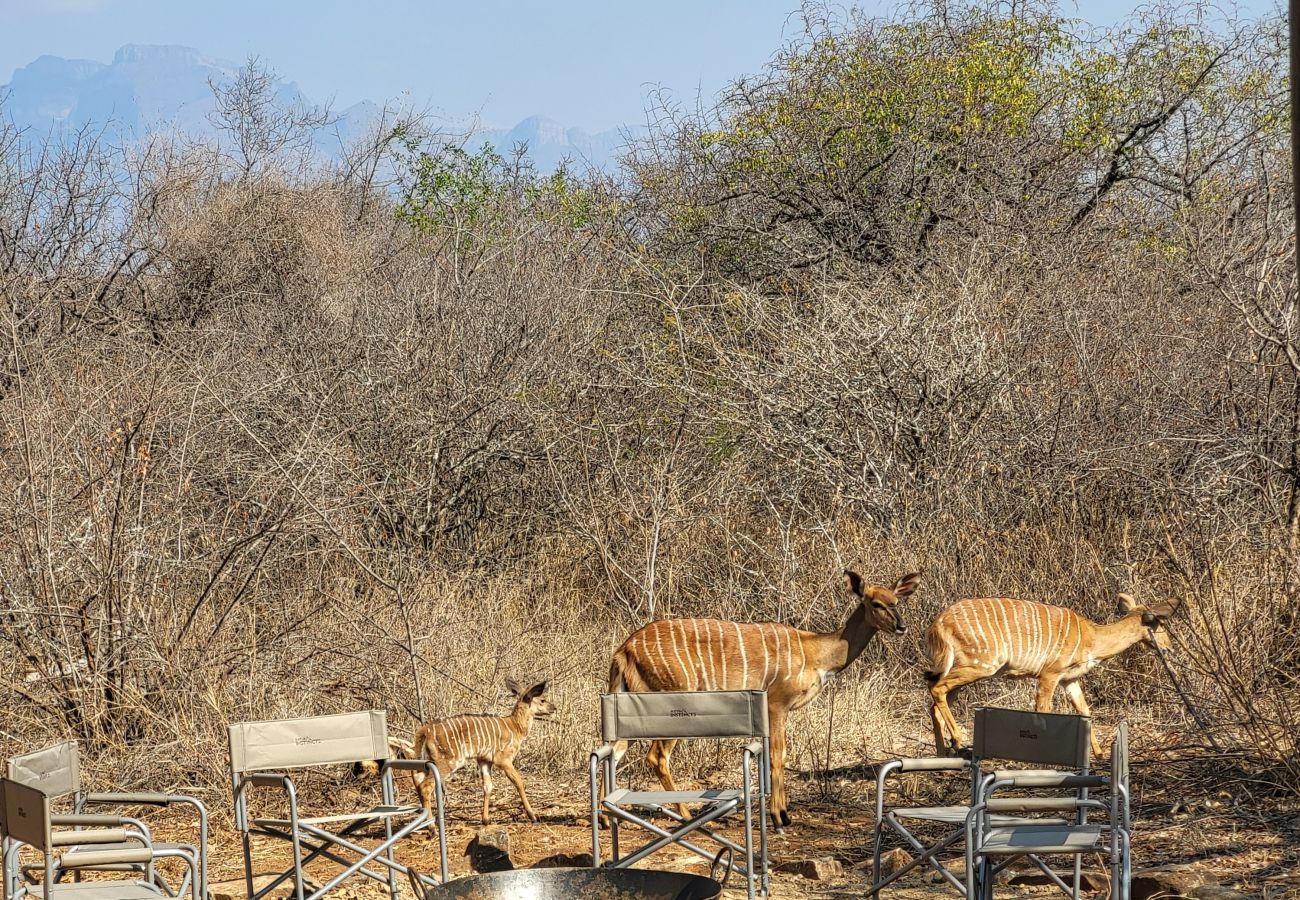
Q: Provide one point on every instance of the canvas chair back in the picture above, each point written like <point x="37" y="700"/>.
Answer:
<point x="683" y="715"/>
<point x="25" y="814"/>
<point x="678" y="716"/>
<point x="261" y="755"/>
<point x="54" y="771"/>
<point x="1045" y="739"/>
<point x="1038" y="739"/>
<point x="316" y="741"/>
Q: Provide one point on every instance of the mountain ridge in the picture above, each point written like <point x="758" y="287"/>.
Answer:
<point x="152" y="87"/>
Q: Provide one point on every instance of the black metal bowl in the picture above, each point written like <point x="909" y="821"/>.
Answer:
<point x="578" y="884"/>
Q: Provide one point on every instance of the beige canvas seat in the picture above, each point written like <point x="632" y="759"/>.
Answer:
<point x="685" y="716"/>
<point x="991" y="845"/>
<point x="262" y="757"/>
<point x="56" y="772"/>
<point x="25" y="820"/>
<point x="1017" y="736"/>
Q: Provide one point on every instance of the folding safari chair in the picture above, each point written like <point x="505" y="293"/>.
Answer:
<point x="56" y="772"/>
<point x="261" y="753"/>
<point x="987" y="839"/>
<point x="685" y="716"/>
<point x="1042" y="739"/>
<point x="25" y="819"/>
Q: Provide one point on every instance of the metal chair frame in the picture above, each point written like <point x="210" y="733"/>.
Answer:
<point x="25" y="819"/>
<point x="686" y="716"/>
<point x="1111" y="835"/>
<point x="56" y="772"/>
<point x="999" y="734"/>
<point x="262" y="753"/>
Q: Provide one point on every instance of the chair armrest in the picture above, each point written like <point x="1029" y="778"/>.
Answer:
<point x="602" y="752"/>
<point x="1005" y="774"/>
<point x="89" y="829"/>
<point x="131" y="798"/>
<point x="934" y="764"/>
<point x="82" y="859"/>
<point x="1040" y="804"/>
<point x="1032" y="779"/>
<point x="412" y="765"/>
<point x="754" y="748"/>
<point x="93" y="836"/>
<point x="266" y="779"/>
<point x="914" y="764"/>
<point x="427" y="766"/>
<point x="88" y="820"/>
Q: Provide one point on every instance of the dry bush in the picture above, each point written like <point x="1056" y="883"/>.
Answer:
<point x="287" y="439"/>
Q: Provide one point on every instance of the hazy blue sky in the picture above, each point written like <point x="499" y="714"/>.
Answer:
<point x="589" y="63"/>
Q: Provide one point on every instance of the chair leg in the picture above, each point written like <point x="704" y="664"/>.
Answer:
<point x="749" y="833"/>
<point x="593" y="775"/>
<point x="875" y="860"/>
<point x="248" y="863"/>
<point x="390" y="799"/>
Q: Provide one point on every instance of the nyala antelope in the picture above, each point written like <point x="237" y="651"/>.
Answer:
<point x="790" y="664"/>
<point x="487" y="739"/>
<point x="977" y="638"/>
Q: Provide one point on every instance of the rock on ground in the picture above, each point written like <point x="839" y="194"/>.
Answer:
<point x="489" y="850"/>
<point x="1179" y="881"/>
<point x="822" y="868"/>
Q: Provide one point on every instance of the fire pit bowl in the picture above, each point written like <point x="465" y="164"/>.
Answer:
<point x="577" y="884"/>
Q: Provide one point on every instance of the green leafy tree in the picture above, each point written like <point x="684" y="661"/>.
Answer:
<point x="866" y="140"/>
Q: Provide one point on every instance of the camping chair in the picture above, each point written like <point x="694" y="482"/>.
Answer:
<point x="56" y="772"/>
<point x="1042" y="739"/>
<point x="677" y="716"/>
<point x="260" y="755"/>
<point x="25" y="819"/>
<point x="987" y="839"/>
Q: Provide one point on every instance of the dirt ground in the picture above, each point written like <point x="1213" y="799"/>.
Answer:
<point x="1242" y="840"/>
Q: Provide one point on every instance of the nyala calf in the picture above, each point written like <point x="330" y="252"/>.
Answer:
<point x="486" y="739"/>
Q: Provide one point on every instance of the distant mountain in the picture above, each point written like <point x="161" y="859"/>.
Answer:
<point x="144" y="88"/>
<point x="549" y="143"/>
<point x="149" y="88"/>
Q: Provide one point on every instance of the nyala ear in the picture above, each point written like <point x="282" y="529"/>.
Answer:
<point x="1163" y="610"/>
<point x="1127" y="603"/>
<point x="536" y="691"/>
<point x="514" y="687"/>
<point x="853" y="581"/>
<point x="906" y="584"/>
